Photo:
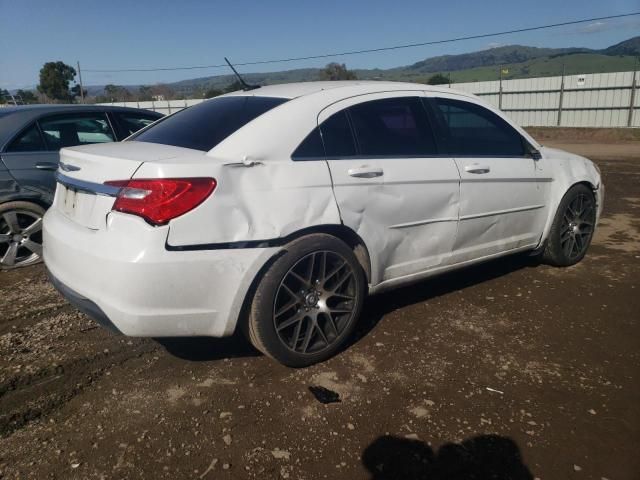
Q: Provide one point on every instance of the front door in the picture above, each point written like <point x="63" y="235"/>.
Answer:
<point x="501" y="205"/>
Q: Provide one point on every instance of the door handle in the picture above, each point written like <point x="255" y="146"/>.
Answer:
<point x="477" y="168"/>
<point x="46" y="166"/>
<point x="365" y="172"/>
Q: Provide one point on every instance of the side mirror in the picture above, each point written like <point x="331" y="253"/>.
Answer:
<point x="532" y="151"/>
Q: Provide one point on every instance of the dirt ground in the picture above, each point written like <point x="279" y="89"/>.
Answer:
<point x="510" y="368"/>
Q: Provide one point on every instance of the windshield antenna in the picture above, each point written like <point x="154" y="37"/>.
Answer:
<point x="245" y="85"/>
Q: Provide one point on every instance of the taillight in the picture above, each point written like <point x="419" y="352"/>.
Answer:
<point x="159" y="200"/>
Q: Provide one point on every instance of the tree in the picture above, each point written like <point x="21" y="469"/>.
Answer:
<point x="5" y="96"/>
<point x="54" y="80"/>
<point x="162" y="91"/>
<point x="337" y="71"/>
<point x="75" y="91"/>
<point x="116" y="93"/>
<point x="144" y="93"/>
<point x="438" y="79"/>
<point x="27" y="96"/>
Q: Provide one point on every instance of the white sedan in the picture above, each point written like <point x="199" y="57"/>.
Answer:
<point x="277" y="210"/>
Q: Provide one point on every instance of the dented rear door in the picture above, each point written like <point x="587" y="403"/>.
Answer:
<point x="395" y="191"/>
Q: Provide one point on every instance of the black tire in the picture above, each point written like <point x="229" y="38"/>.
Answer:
<point x="20" y="234"/>
<point x="294" y="317"/>
<point x="572" y="228"/>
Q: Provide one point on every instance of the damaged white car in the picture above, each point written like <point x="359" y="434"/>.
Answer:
<point x="277" y="210"/>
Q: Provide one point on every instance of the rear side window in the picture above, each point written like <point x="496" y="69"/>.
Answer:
<point x="332" y="139"/>
<point x="203" y="126"/>
<point x="469" y="129"/>
<point x="337" y="136"/>
<point x="393" y="127"/>
<point x="311" y="147"/>
<point x="70" y="130"/>
<point x="130" y="123"/>
<point x="28" y="141"/>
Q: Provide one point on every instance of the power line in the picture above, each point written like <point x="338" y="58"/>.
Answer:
<point x="371" y="50"/>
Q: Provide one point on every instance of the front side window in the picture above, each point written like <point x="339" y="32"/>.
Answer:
<point x="69" y="130"/>
<point x="203" y="126"/>
<point x="28" y="141"/>
<point x="470" y="129"/>
<point x="393" y="127"/>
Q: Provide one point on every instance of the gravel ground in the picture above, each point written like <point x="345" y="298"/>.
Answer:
<point x="511" y="368"/>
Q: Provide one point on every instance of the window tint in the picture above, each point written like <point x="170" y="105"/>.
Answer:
<point x="311" y="147"/>
<point x="470" y="129"/>
<point x="130" y="123"/>
<point x="28" y="141"/>
<point x="337" y="136"/>
<point x="334" y="137"/>
<point x="203" y="126"/>
<point x="75" y="129"/>
<point x="392" y="127"/>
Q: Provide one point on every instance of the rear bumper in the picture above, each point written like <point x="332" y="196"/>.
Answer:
<point x="124" y="277"/>
<point x="85" y="305"/>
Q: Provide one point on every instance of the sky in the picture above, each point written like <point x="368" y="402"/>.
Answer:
<point x="142" y="33"/>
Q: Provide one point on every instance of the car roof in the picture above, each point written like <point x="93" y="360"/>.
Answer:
<point x="280" y="130"/>
<point x="356" y="87"/>
<point x="14" y="119"/>
<point x="55" y="108"/>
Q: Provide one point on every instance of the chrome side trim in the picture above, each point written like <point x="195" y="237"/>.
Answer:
<point x="506" y="180"/>
<point x="88" y="187"/>
<point x="425" y="222"/>
<point x="501" y="212"/>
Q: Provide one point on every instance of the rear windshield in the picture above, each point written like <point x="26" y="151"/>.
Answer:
<point x="203" y="126"/>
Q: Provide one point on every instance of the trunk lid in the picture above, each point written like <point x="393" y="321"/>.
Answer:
<point x="81" y="194"/>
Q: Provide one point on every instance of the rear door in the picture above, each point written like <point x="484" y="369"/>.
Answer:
<point x="501" y="205"/>
<point x="32" y="156"/>
<point x="393" y="188"/>
<point x="30" y="162"/>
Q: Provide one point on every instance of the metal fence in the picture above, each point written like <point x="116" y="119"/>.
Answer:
<point x="591" y="100"/>
<point x="594" y="100"/>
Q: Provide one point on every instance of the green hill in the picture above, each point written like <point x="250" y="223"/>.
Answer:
<point x="540" y="67"/>
<point x="520" y="61"/>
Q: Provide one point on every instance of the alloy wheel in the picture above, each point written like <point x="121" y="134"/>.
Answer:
<point x="577" y="226"/>
<point x="20" y="238"/>
<point x="315" y="302"/>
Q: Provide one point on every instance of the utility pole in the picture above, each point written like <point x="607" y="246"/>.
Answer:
<point x="500" y="91"/>
<point x="81" y="86"/>
<point x="632" y="102"/>
<point x="560" y="100"/>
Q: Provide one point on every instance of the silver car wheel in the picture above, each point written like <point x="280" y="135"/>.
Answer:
<point x="20" y="238"/>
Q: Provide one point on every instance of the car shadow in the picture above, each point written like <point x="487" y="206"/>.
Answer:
<point x="206" y="349"/>
<point x="377" y="306"/>
<point x="478" y="458"/>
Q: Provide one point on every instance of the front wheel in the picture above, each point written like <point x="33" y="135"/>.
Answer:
<point x="572" y="228"/>
<point x="308" y="302"/>
<point x="20" y="234"/>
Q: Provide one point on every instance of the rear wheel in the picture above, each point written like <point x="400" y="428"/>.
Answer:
<point x="307" y="303"/>
<point x="572" y="228"/>
<point x="20" y="234"/>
